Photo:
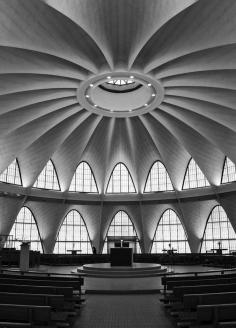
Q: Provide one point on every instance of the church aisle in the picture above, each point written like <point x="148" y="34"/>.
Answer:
<point x="123" y="311"/>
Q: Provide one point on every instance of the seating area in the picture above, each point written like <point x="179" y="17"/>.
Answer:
<point x="39" y="300"/>
<point x="201" y="299"/>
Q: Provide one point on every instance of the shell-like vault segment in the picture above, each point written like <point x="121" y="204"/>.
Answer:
<point x="106" y="83"/>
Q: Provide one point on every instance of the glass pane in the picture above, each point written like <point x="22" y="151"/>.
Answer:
<point x="47" y="178"/>
<point x="170" y="234"/>
<point x="194" y="178"/>
<point x="11" y="174"/>
<point x="73" y="235"/>
<point x="121" y="226"/>
<point x="229" y="172"/>
<point x="158" y="179"/>
<point x="83" y="179"/>
<point x="218" y="233"/>
<point x="120" y="180"/>
<point x="25" y="229"/>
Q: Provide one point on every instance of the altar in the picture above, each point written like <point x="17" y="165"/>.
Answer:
<point x="121" y="256"/>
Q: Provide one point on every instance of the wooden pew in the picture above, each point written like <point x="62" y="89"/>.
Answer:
<point x="197" y="275"/>
<point x="179" y="291"/>
<point x="168" y="279"/>
<point x="43" y="275"/>
<point x="212" y="281"/>
<point x="67" y="292"/>
<point x="191" y="301"/>
<point x="56" y="302"/>
<point x="215" y="314"/>
<point x="41" y="282"/>
<point x="193" y="276"/>
<point x="15" y="324"/>
<point x="25" y="314"/>
<point x="230" y="324"/>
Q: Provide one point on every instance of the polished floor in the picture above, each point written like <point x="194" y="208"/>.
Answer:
<point x="123" y="311"/>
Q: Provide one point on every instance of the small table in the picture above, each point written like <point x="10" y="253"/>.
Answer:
<point x="169" y="251"/>
<point x="74" y="251"/>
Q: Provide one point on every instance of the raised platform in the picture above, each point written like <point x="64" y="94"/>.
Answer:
<point x="136" y="270"/>
<point x="102" y="277"/>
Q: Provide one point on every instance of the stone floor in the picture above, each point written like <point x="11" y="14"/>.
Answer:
<point x="123" y="311"/>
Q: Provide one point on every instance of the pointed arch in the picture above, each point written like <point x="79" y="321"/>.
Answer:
<point x="218" y="229"/>
<point x="158" y="179"/>
<point x="25" y="228"/>
<point x="120" y="180"/>
<point x="194" y="178"/>
<point x="12" y="174"/>
<point x="121" y="226"/>
<point x="170" y="233"/>
<point x="48" y="179"/>
<point x="83" y="179"/>
<point x="229" y="171"/>
<point x="73" y="235"/>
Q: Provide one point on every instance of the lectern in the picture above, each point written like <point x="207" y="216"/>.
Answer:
<point x="121" y="256"/>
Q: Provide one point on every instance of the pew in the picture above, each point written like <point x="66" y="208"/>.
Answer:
<point x="67" y="292"/>
<point x="42" y="282"/>
<point x="230" y="324"/>
<point x="212" y="281"/>
<point x="56" y="302"/>
<point x="46" y="278"/>
<point x="25" y="314"/>
<point x="179" y="291"/>
<point x="215" y="314"/>
<point x="202" y="275"/>
<point x="15" y="324"/>
<point x="42" y="275"/>
<point x="191" y="301"/>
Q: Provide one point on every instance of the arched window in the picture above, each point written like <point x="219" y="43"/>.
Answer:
<point x="11" y="174"/>
<point x="25" y="229"/>
<point x="194" y="178"/>
<point x="47" y="178"/>
<point x="120" y="180"/>
<point x="158" y="179"/>
<point x="122" y="227"/>
<point x="73" y="235"/>
<point x="229" y="172"/>
<point x="218" y="232"/>
<point x="83" y="179"/>
<point x="170" y="234"/>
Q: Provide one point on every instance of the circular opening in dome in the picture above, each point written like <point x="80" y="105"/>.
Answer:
<point x="120" y="85"/>
<point x="120" y="94"/>
<point x="120" y="82"/>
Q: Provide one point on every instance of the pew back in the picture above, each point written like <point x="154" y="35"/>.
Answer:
<point x="190" y="301"/>
<point x="216" y="313"/>
<point x="22" y="313"/>
<point x="55" y="301"/>
<point x="184" y="277"/>
<point x="51" y="282"/>
<point x="179" y="291"/>
<point x="212" y="281"/>
<point x="67" y="292"/>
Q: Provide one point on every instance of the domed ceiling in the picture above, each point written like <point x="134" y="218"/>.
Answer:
<point x="59" y="99"/>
